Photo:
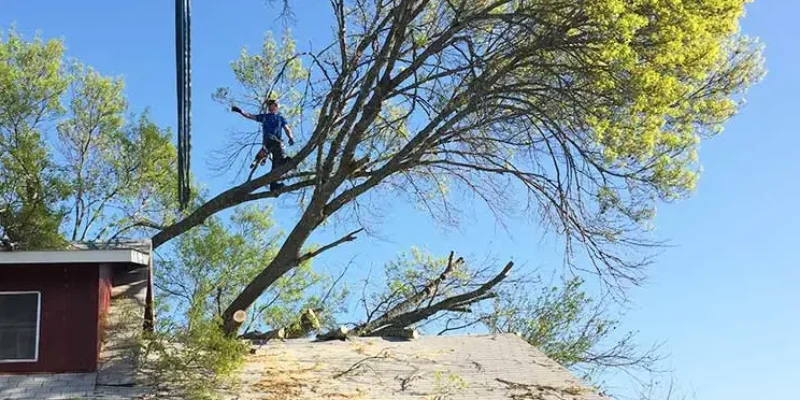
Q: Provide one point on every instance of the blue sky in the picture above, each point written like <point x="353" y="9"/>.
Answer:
<point x="724" y="298"/>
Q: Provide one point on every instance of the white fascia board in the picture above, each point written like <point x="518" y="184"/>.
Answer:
<point x="74" y="257"/>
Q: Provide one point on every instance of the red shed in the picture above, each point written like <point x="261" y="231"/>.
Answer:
<point x="53" y="304"/>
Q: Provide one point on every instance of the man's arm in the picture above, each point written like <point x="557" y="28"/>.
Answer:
<point x="289" y="134"/>
<point x="244" y="113"/>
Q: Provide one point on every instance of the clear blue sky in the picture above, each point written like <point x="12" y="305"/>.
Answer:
<point x="725" y="298"/>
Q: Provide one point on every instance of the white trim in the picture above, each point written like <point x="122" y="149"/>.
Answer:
<point x="38" y="325"/>
<point x="76" y="256"/>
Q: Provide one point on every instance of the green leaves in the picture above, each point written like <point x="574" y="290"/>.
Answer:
<point x="31" y="80"/>
<point x="119" y="171"/>
<point x="570" y="327"/>
<point x="275" y="72"/>
<point x="31" y="186"/>
<point x="100" y="176"/>
<point x="197" y="359"/>
<point x="675" y="72"/>
<point x="211" y="264"/>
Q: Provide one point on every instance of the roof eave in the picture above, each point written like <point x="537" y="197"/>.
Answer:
<point x="75" y="257"/>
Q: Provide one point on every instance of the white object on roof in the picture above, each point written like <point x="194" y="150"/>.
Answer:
<point x="75" y="257"/>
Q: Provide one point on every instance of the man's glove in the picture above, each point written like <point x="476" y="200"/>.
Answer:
<point x="291" y="142"/>
<point x="236" y="109"/>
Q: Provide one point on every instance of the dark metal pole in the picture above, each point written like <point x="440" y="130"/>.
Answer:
<point x="184" y="94"/>
<point x="187" y="145"/>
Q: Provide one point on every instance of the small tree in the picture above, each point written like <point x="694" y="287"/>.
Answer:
<point x="442" y="295"/>
<point x="571" y="327"/>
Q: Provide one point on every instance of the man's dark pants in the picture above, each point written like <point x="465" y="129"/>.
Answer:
<point x="275" y="147"/>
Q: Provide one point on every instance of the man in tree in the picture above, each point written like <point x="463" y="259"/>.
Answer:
<point x="272" y="123"/>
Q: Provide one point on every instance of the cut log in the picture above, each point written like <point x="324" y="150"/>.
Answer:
<point x="239" y="317"/>
<point x="264" y="336"/>
<point x="339" y="333"/>
<point x="278" y="334"/>
<point x="309" y="322"/>
<point x="400" y="333"/>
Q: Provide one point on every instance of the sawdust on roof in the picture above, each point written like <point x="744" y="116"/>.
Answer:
<point x="438" y="367"/>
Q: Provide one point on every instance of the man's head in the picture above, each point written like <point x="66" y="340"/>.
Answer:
<point x="272" y="106"/>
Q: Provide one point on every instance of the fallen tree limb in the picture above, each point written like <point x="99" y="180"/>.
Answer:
<point x="429" y="291"/>
<point x="339" y="333"/>
<point x="307" y="323"/>
<point x="393" y="323"/>
<point x="393" y="332"/>
<point x="265" y="336"/>
<point x="454" y="303"/>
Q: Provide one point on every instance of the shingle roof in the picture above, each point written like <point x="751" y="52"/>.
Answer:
<point x="452" y="367"/>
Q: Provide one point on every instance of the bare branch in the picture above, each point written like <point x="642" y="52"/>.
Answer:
<point x="346" y="238"/>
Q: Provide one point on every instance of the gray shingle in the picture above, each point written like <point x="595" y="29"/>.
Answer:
<point x="454" y="367"/>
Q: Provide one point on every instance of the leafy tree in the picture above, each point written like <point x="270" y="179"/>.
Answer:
<point x="191" y="360"/>
<point x="119" y="172"/>
<point x="100" y="176"/>
<point x="30" y="184"/>
<point x="590" y="112"/>
<point x="571" y="327"/>
<point x="587" y="113"/>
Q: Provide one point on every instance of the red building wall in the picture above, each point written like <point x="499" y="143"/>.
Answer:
<point x="71" y="303"/>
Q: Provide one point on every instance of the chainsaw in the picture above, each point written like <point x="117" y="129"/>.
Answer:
<point x="260" y="159"/>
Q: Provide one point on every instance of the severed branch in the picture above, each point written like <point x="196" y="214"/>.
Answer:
<point x="383" y="354"/>
<point x="429" y="291"/>
<point x="339" y="333"/>
<point x="392" y="322"/>
<point x="279" y="333"/>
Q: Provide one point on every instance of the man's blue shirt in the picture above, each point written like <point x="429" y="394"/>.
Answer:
<point x="272" y="125"/>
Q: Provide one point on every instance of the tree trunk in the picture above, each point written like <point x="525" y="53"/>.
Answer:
<point x="287" y="258"/>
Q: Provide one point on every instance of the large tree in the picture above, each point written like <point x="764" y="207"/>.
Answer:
<point x="585" y="112"/>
